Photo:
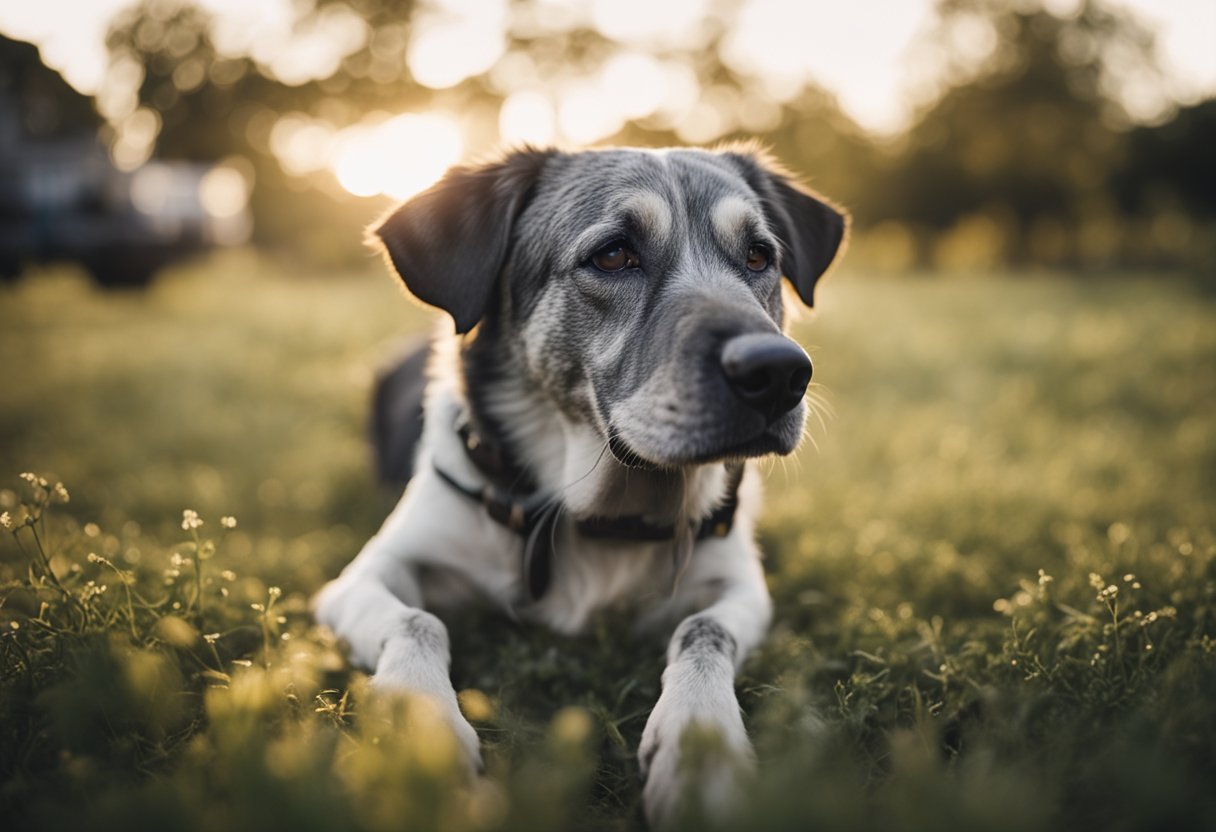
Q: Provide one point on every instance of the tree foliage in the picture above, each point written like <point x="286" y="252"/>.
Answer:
<point x="1028" y="153"/>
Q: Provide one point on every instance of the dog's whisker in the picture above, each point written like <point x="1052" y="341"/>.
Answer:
<point x="820" y="394"/>
<point x="813" y="407"/>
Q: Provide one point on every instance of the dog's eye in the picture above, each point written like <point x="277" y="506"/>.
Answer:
<point x="615" y="257"/>
<point x="758" y="258"/>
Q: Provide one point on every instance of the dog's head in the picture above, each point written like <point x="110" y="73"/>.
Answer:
<point x="640" y="290"/>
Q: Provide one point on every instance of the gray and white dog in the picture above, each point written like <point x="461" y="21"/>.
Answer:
<point x="618" y="357"/>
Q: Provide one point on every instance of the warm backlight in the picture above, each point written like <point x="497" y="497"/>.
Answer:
<point x="398" y="157"/>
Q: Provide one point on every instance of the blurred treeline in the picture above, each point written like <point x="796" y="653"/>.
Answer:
<point x="1026" y="158"/>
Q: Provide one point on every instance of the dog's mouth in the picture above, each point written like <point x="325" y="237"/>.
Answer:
<point x="627" y="456"/>
<point x="765" y="443"/>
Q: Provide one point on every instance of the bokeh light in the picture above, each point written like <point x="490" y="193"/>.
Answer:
<point x="455" y="42"/>
<point x="527" y="116"/>
<point x="398" y="157"/>
<point x="224" y="192"/>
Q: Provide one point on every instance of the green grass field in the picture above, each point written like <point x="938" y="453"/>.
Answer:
<point x="995" y="576"/>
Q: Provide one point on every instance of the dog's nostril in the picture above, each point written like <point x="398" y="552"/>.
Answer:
<point x="799" y="381"/>
<point x="754" y="383"/>
<point x="769" y="372"/>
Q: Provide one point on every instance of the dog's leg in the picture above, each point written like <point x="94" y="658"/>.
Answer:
<point x="699" y="694"/>
<point x="375" y="606"/>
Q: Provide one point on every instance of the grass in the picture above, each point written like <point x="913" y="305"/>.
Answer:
<point x="995" y="578"/>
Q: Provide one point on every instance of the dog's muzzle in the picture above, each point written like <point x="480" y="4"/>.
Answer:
<point x="768" y="372"/>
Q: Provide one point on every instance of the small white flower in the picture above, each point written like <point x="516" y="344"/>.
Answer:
<point x="6" y="520"/>
<point x="228" y="522"/>
<point x="28" y="477"/>
<point x="190" y="520"/>
<point x="62" y="493"/>
<point x="274" y="592"/>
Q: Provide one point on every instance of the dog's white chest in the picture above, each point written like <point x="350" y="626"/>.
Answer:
<point x="590" y="577"/>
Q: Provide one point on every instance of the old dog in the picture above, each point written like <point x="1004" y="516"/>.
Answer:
<point x="618" y="357"/>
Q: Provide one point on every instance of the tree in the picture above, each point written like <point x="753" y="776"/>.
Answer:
<point x="1032" y="139"/>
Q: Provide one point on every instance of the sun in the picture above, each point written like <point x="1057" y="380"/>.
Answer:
<point x="398" y="157"/>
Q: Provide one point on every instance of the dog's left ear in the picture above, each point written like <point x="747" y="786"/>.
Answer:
<point x="811" y="230"/>
<point x="449" y="243"/>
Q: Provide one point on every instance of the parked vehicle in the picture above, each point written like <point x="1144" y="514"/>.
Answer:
<point x="61" y="197"/>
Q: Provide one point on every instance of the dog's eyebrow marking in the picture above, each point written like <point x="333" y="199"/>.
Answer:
<point x="645" y="210"/>
<point x="732" y="219"/>
<point x="650" y="211"/>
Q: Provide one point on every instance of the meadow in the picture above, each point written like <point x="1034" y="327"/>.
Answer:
<point x="994" y="571"/>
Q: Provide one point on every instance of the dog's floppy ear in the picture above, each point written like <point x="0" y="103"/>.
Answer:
<point x="811" y="230"/>
<point x="449" y="242"/>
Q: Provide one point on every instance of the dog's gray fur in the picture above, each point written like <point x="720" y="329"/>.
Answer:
<point x="610" y="389"/>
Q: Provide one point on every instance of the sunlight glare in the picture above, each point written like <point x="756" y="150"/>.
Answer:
<point x="585" y="115"/>
<point x="642" y="75"/>
<point x="591" y="108"/>
<point x="785" y="44"/>
<point x="527" y="117"/>
<point x="675" y="22"/>
<point x="301" y="144"/>
<point x="398" y="157"/>
<point x="446" y="47"/>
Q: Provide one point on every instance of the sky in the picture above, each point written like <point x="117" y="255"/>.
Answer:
<point x="788" y="40"/>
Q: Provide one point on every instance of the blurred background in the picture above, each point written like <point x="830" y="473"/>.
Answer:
<point x="964" y="135"/>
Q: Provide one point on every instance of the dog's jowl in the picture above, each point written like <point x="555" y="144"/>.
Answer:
<point x="618" y="358"/>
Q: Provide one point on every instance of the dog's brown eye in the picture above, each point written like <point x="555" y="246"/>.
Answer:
<point x="614" y="257"/>
<point x="758" y="258"/>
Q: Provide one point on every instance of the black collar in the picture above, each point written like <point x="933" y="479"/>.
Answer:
<point x="512" y="498"/>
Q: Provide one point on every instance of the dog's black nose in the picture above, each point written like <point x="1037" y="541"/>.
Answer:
<point x="769" y="372"/>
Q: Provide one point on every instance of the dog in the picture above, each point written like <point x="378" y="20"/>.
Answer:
<point x="618" y="357"/>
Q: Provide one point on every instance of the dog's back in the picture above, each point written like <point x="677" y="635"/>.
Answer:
<point x="396" y="417"/>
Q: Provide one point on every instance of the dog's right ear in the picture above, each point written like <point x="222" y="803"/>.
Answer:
<point x="449" y="243"/>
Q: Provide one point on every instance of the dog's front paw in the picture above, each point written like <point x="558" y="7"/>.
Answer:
<point x="427" y="710"/>
<point x="406" y="668"/>
<point x="695" y="757"/>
